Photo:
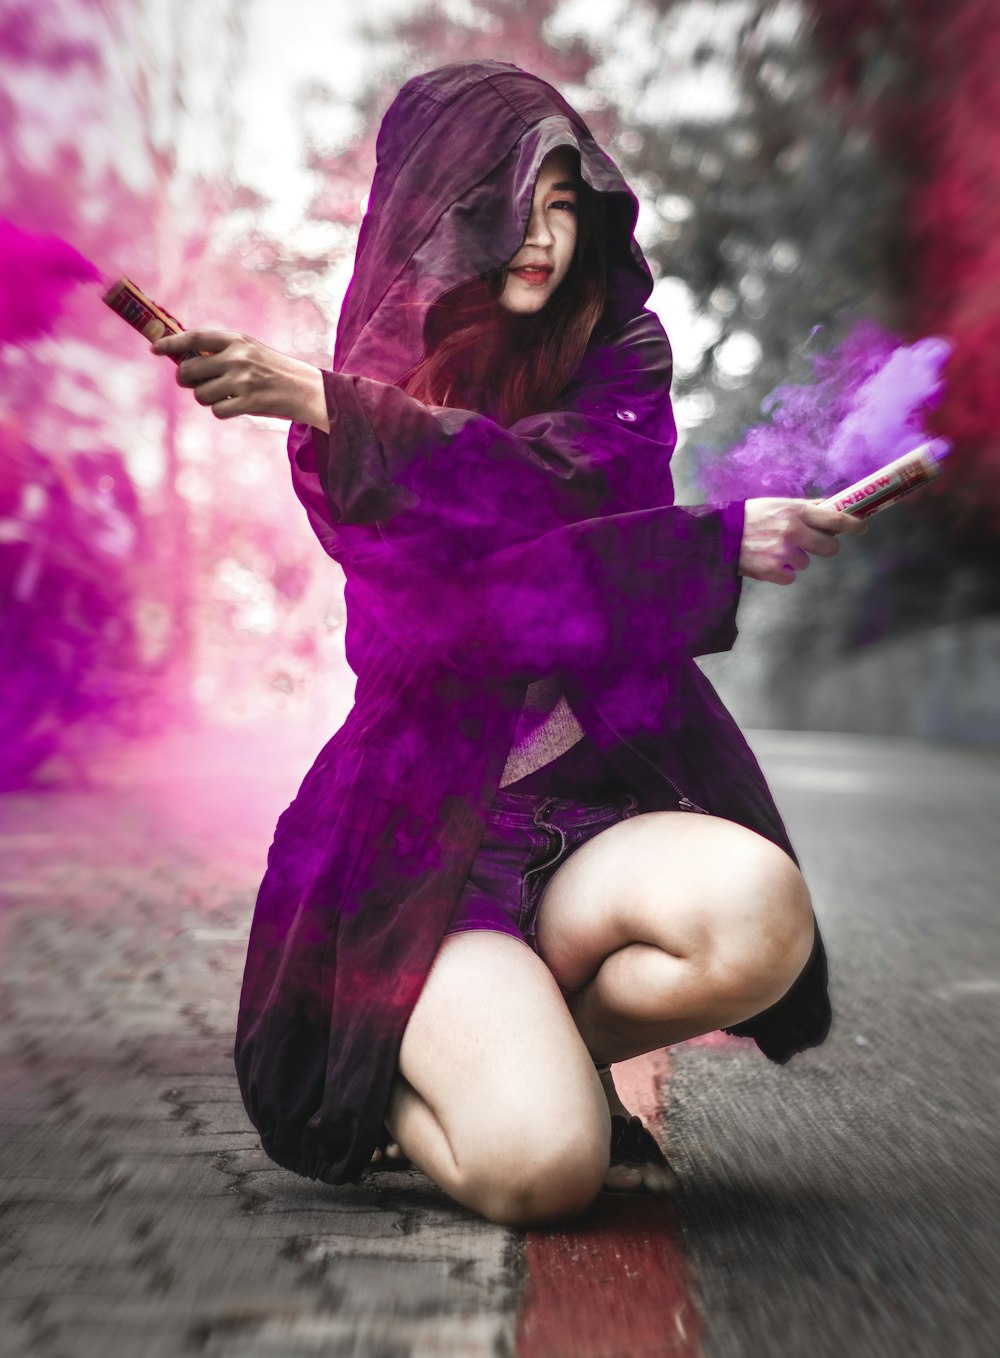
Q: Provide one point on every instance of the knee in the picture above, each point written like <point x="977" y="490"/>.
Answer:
<point x="760" y="958"/>
<point x="553" y="1179"/>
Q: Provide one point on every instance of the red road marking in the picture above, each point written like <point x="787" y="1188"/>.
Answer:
<point x="614" y="1285"/>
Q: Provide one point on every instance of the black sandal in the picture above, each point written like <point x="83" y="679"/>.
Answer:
<point x="634" y="1145"/>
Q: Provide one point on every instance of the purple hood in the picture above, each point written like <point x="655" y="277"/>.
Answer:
<point x="457" y="157"/>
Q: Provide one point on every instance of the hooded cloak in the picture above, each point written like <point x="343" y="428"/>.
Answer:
<point x="478" y="558"/>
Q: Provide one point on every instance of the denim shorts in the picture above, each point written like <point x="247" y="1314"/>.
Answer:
<point x="526" y="838"/>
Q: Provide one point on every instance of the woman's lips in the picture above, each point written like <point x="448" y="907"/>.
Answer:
<point x="534" y="276"/>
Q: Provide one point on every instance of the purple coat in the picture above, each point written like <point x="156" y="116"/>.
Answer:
<point x="478" y="558"/>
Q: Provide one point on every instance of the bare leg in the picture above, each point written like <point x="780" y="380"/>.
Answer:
<point x="497" y="1098"/>
<point x="659" y="928"/>
<point x="668" y="925"/>
<point x="626" y="1008"/>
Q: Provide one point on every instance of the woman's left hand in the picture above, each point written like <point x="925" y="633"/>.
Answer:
<point x="240" y="376"/>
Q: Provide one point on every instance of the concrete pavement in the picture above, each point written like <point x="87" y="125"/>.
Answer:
<point x="139" y="1216"/>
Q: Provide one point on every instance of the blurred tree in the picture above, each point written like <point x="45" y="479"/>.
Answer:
<point x="131" y="159"/>
<point x="85" y="165"/>
<point x="60" y="404"/>
<point x="835" y="188"/>
<point x="166" y="71"/>
<point x="773" y="223"/>
<point x="773" y="216"/>
<point x="926" y="85"/>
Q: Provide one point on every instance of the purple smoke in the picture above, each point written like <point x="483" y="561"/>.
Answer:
<point x="865" y="407"/>
<point x="36" y="273"/>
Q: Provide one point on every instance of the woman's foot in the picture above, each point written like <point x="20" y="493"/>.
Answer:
<point x="392" y="1152"/>
<point x="637" y="1163"/>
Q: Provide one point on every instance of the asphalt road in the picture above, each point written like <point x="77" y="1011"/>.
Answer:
<point x="846" y="1203"/>
<point x="849" y="1202"/>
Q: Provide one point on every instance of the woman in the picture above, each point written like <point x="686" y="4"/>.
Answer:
<point x="538" y="844"/>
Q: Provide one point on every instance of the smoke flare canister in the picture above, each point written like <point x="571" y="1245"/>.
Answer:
<point x="890" y="483"/>
<point x="144" y="315"/>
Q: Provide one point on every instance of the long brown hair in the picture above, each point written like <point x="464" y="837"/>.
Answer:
<point x="480" y="356"/>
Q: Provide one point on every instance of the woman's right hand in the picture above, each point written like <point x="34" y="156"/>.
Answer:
<point x="779" y="534"/>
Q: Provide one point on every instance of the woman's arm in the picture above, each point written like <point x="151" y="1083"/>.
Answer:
<point x="314" y="409"/>
<point x="779" y="533"/>
<point x="240" y="376"/>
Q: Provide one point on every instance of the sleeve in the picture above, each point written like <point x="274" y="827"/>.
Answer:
<point x="521" y="549"/>
<point x="645" y="587"/>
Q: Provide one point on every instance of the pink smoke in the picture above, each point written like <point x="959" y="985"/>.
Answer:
<point x="865" y="407"/>
<point x="36" y="274"/>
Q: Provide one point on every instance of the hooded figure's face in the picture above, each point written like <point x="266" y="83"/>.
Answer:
<point x="459" y="191"/>
<point x="550" y="240"/>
